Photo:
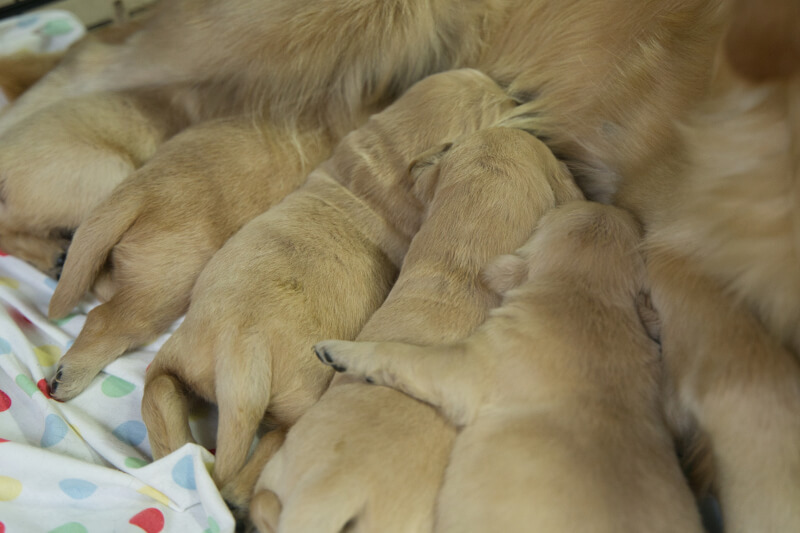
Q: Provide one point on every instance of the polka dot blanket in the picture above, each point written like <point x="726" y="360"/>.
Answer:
<point x="85" y="465"/>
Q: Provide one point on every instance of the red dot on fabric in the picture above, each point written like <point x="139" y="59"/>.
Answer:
<point x="5" y="401"/>
<point x="3" y="440"/>
<point x="151" y="520"/>
<point x="2" y="525"/>
<point x="2" y="254"/>
<point x="44" y="386"/>
<point x="20" y="319"/>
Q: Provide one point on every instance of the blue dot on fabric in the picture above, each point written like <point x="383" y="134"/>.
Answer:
<point x="5" y="346"/>
<point x="77" y="489"/>
<point x="55" y="429"/>
<point x="50" y="282"/>
<point x="27" y="21"/>
<point x="131" y="432"/>
<point x="183" y="473"/>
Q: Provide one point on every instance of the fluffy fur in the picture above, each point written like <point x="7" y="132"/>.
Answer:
<point x="484" y="196"/>
<point x="261" y="303"/>
<point x="199" y="189"/>
<point x="557" y="394"/>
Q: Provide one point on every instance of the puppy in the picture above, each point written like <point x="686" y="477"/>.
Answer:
<point x="261" y="303"/>
<point x="557" y="394"/>
<point x="484" y="196"/>
<point x="20" y="71"/>
<point x="55" y="169"/>
<point x="198" y="190"/>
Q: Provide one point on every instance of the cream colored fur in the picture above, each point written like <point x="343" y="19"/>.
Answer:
<point x="169" y="218"/>
<point x="557" y="394"/>
<point x="484" y="196"/>
<point x="319" y="262"/>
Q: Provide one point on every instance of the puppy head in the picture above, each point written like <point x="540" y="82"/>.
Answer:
<point x="586" y="243"/>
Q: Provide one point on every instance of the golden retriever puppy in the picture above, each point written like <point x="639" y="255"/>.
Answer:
<point x="169" y="218"/>
<point x="557" y="394"/>
<point x="20" y="71"/>
<point x="321" y="261"/>
<point x="55" y="169"/>
<point x="484" y="197"/>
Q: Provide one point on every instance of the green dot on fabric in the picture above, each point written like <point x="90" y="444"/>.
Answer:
<point x="213" y="527"/>
<point x="114" y="387"/>
<point x="134" y="462"/>
<point x="70" y="527"/>
<point x="25" y="383"/>
<point x="57" y="27"/>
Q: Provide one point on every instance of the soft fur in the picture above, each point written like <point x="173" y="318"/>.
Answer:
<point x="170" y="217"/>
<point x="63" y="162"/>
<point x="319" y="262"/>
<point x="558" y="393"/>
<point x="725" y="268"/>
<point x="484" y="196"/>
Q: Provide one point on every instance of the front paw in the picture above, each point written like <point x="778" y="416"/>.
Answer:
<point x="68" y="382"/>
<point x="325" y="356"/>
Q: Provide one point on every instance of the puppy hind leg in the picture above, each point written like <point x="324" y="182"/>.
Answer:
<point x="165" y="410"/>
<point x="238" y="492"/>
<point x="436" y="375"/>
<point x="337" y="502"/>
<point x="243" y="389"/>
<point x="265" y="510"/>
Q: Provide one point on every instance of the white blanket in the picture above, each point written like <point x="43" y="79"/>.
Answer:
<point x="85" y="465"/>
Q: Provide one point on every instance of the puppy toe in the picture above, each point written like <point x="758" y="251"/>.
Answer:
<point x="68" y="383"/>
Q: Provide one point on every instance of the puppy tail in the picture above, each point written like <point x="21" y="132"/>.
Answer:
<point x="90" y="248"/>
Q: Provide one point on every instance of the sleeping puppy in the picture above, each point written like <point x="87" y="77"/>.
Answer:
<point x="55" y="169"/>
<point x="557" y="394"/>
<point x="261" y="303"/>
<point x="485" y="195"/>
<point x="160" y="227"/>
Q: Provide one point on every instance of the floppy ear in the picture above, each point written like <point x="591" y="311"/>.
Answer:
<point x="424" y="172"/>
<point x="505" y="272"/>
<point x="763" y="41"/>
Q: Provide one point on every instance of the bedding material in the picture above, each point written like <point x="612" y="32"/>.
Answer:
<point x="85" y="465"/>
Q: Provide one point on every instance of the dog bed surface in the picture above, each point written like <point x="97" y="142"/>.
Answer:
<point x="85" y="465"/>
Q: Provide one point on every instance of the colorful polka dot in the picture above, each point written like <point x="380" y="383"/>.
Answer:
<point x="135" y="462"/>
<point x="10" y="488"/>
<point x="62" y="321"/>
<point x="151" y="520"/>
<point x="9" y="282"/>
<point x="115" y="387"/>
<point x="3" y="440"/>
<point x="71" y="527"/>
<point x="47" y="354"/>
<point x="25" y="383"/>
<point x="56" y="27"/>
<point x="5" y="346"/>
<point x="44" y="387"/>
<point x="50" y="282"/>
<point x="20" y="319"/>
<point x="55" y="429"/>
<point x="2" y="528"/>
<point x="77" y="489"/>
<point x="156" y="495"/>
<point x="183" y="473"/>
<point x="5" y="401"/>
<point x="213" y="527"/>
<point x="131" y="432"/>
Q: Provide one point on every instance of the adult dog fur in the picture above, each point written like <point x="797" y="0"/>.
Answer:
<point x="557" y="394"/>
<point x="261" y="303"/>
<point x="484" y="197"/>
<point x="725" y="269"/>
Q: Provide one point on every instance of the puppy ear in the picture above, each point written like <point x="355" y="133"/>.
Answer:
<point x="424" y="172"/>
<point x="648" y="315"/>
<point x="505" y="272"/>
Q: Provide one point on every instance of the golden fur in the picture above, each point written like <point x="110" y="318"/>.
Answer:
<point x="484" y="196"/>
<point x="557" y="394"/>
<point x="59" y="165"/>
<point x="319" y="262"/>
<point x="170" y="217"/>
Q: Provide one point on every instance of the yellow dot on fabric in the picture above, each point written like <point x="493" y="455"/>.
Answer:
<point x="47" y="354"/>
<point x="156" y="495"/>
<point x="10" y="488"/>
<point x="75" y="430"/>
<point x="9" y="282"/>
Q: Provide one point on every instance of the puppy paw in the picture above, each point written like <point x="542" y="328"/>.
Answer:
<point x="347" y="357"/>
<point x="69" y="381"/>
